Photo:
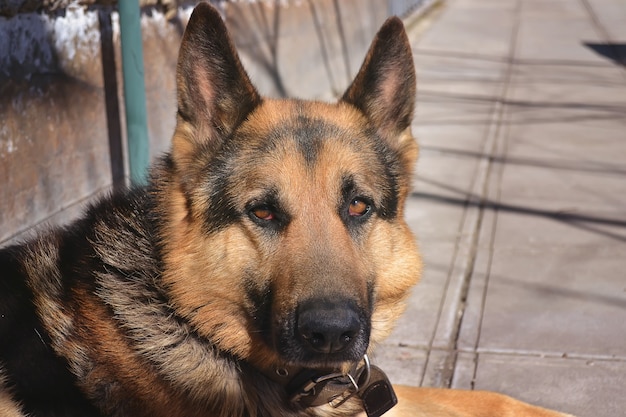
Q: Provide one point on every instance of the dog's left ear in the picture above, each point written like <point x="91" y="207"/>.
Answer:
<point x="384" y="88"/>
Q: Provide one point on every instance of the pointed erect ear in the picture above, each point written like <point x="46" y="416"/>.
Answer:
<point x="384" y="88"/>
<point x="214" y="92"/>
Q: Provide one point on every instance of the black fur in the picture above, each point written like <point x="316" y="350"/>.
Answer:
<point x="39" y="378"/>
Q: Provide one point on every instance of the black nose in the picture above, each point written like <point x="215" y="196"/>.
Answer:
<point x="327" y="327"/>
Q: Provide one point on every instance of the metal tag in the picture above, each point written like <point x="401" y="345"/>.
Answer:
<point x="378" y="396"/>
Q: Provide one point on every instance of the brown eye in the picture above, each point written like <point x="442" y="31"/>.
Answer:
<point x="263" y="213"/>
<point x="358" y="208"/>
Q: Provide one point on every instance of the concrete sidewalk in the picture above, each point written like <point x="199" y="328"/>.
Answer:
<point x="520" y="205"/>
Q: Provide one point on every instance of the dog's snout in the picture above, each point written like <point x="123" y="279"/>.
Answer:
<point x="327" y="327"/>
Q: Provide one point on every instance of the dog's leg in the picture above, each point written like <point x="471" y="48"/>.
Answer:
<point x="434" y="402"/>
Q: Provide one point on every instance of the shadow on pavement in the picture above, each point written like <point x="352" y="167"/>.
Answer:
<point x="616" y="52"/>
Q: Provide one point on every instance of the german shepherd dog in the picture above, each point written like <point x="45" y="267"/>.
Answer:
<point x="253" y="273"/>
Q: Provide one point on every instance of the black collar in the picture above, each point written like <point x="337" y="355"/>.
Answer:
<point x="315" y="387"/>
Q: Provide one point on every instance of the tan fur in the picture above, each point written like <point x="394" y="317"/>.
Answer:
<point x="8" y="406"/>
<point x="433" y="402"/>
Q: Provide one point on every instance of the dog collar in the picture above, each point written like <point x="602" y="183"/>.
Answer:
<point x="315" y="387"/>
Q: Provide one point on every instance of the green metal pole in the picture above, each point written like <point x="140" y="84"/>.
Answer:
<point x="134" y="90"/>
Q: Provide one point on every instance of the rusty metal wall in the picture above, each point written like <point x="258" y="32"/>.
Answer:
<point x="61" y="108"/>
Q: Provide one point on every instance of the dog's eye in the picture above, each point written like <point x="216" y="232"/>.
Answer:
<point x="263" y="213"/>
<point x="358" y="208"/>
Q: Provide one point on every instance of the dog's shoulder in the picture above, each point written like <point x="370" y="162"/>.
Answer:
<point x="39" y="278"/>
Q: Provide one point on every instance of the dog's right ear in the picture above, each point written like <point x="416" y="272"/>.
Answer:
<point x="214" y="91"/>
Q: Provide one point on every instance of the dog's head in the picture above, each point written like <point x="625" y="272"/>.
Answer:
<point x="285" y="239"/>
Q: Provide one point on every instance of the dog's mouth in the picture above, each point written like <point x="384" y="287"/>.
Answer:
<point x="323" y="333"/>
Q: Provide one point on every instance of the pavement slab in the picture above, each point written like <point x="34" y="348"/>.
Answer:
<point x="548" y="381"/>
<point x="519" y="205"/>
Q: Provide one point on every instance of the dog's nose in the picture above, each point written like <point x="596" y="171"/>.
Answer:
<point x="327" y="327"/>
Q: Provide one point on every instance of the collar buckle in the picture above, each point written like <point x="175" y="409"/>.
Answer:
<point x="364" y="378"/>
<point x="335" y="388"/>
